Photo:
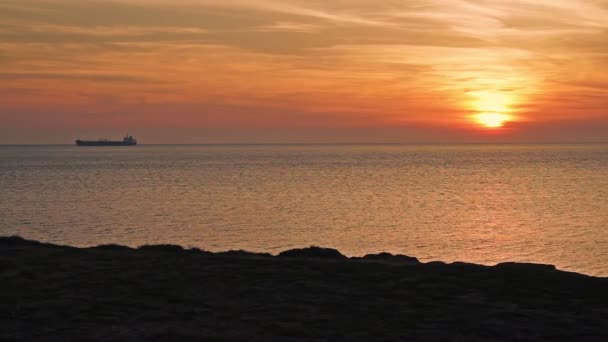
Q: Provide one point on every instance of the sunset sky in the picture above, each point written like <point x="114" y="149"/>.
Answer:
<point x="240" y="71"/>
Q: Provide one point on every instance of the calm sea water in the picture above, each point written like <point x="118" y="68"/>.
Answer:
<point x="475" y="203"/>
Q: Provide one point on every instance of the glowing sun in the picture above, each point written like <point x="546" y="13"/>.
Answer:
<point x="492" y="107"/>
<point x="492" y="120"/>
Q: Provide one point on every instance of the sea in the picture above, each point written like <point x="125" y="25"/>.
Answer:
<point x="481" y="203"/>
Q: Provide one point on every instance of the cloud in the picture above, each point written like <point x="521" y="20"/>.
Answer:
<point x="71" y="76"/>
<point x="386" y="61"/>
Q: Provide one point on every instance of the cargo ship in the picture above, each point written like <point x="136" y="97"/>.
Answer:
<point x="126" y="141"/>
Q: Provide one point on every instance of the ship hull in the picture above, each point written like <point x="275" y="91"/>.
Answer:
<point x="104" y="143"/>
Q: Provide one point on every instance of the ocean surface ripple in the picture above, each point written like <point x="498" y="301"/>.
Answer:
<point x="476" y="203"/>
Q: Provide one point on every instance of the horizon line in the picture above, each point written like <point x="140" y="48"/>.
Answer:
<point x="336" y="143"/>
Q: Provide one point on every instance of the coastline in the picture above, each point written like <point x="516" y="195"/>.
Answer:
<point x="165" y="292"/>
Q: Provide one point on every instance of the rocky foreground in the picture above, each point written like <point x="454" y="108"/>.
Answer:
<point x="166" y="293"/>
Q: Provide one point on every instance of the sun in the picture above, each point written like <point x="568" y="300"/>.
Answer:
<point x="492" y="120"/>
<point x="492" y="108"/>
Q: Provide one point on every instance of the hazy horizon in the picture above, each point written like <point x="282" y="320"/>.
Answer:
<point x="413" y="143"/>
<point x="389" y="136"/>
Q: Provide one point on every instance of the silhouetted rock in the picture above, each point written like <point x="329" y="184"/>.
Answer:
<point x="161" y="248"/>
<point x="388" y="257"/>
<point x="196" y="250"/>
<point x="19" y="241"/>
<point x="435" y="263"/>
<point x="162" y="292"/>
<point x="313" y="252"/>
<point x="113" y="247"/>
<point x="243" y="254"/>
<point x="529" y="267"/>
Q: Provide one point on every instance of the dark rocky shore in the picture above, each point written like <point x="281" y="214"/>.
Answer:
<point x="166" y="293"/>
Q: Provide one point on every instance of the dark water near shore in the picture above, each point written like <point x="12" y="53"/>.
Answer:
<point x="475" y="203"/>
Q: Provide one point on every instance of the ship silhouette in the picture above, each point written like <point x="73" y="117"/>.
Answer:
<point x="128" y="140"/>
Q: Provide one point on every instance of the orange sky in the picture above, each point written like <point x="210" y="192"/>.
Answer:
<point x="202" y="71"/>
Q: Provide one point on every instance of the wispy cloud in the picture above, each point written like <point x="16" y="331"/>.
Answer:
<point x="387" y="61"/>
